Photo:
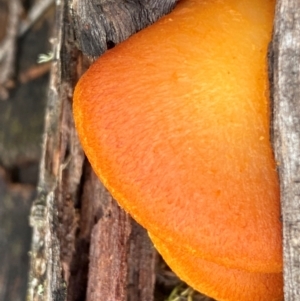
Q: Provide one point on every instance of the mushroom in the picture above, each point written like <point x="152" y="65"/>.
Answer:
<point x="219" y="282"/>
<point x="175" y="123"/>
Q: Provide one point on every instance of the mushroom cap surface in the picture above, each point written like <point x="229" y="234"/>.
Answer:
<point x="175" y="123"/>
<point x="217" y="281"/>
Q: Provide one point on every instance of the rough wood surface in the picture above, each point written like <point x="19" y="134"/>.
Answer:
<point x="122" y="259"/>
<point x="101" y="24"/>
<point x="46" y="280"/>
<point x="84" y="246"/>
<point x="285" y="79"/>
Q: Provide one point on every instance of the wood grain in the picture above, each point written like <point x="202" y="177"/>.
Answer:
<point x="285" y="79"/>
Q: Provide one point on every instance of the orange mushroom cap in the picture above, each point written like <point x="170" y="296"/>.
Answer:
<point x="218" y="281"/>
<point x="175" y="123"/>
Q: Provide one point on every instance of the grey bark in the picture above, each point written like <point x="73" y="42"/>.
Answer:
<point x="101" y="24"/>
<point x="285" y="79"/>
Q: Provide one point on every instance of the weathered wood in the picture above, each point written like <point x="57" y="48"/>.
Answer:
<point x="285" y="79"/>
<point x="122" y="260"/>
<point x="46" y="280"/>
<point x="100" y="24"/>
<point x="84" y="246"/>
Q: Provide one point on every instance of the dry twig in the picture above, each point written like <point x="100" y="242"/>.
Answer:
<point x="8" y="48"/>
<point x="35" y="12"/>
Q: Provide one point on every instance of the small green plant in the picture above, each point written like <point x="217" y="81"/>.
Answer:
<point x="179" y="293"/>
<point x="45" y="57"/>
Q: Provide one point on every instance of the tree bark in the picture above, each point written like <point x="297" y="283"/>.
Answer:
<point x="84" y="246"/>
<point x="285" y="81"/>
<point x="99" y="25"/>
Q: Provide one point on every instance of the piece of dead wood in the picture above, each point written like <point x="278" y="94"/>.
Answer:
<point x="84" y="247"/>
<point x="285" y="80"/>
<point x="99" y="25"/>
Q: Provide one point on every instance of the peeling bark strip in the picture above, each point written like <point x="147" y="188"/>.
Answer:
<point x="285" y="80"/>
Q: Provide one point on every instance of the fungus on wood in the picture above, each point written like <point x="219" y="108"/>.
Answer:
<point x="185" y="148"/>
<point x="62" y="233"/>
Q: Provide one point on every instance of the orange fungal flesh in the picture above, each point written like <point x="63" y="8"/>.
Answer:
<point x="175" y="123"/>
<point x="219" y="282"/>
